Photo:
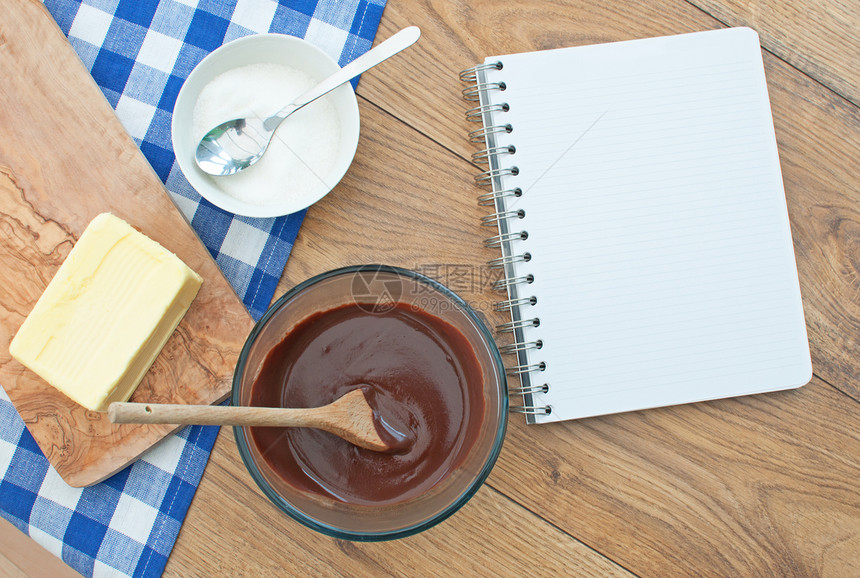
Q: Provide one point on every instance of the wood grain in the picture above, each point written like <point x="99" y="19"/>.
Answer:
<point x="654" y="487"/>
<point x="816" y="131"/>
<point x="816" y="179"/>
<point x="57" y="172"/>
<point x="818" y="38"/>
<point x="457" y="35"/>
<point x="749" y="486"/>
<point x="716" y="489"/>
<point x="818" y="134"/>
<point x="20" y="556"/>
<point x="271" y="544"/>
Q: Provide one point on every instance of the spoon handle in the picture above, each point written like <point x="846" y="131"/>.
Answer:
<point x="403" y="39"/>
<point x="349" y="417"/>
<point x="210" y="415"/>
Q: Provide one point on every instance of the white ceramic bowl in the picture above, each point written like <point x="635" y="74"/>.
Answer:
<point x="257" y="49"/>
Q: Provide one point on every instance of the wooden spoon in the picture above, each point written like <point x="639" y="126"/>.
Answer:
<point x="349" y="417"/>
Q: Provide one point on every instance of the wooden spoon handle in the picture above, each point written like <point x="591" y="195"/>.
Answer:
<point x="210" y="415"/>
<point x="349" y="417"/>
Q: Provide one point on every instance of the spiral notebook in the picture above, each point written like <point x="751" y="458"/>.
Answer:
<point x="642" y="222"/>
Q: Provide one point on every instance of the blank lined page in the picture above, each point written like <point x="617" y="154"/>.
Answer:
<point x="659" y="238"/>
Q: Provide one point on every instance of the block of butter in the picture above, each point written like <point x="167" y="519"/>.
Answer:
<point x="106" y="314"/>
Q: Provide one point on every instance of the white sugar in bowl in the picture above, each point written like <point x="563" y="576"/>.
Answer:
<point x="258" y="75"/>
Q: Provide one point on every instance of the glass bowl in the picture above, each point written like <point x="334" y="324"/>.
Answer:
<point x="374" y="289"/>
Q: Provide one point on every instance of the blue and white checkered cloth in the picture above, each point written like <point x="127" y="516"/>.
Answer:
<point x="140" y="52"/>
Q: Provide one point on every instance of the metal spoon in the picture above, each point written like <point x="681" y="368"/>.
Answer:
<point x="237" y="144"/>
<point x="349" y="417"/>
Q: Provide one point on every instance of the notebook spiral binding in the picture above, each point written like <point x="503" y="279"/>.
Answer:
<point x="495" y="157"/>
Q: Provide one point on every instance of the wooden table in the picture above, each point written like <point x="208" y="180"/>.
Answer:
<point x="761" y="485"/>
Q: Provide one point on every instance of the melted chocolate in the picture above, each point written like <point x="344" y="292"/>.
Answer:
<point x="420" y="375"/>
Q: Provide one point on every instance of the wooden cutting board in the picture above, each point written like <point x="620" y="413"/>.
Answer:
<point x="64" y="158"/>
